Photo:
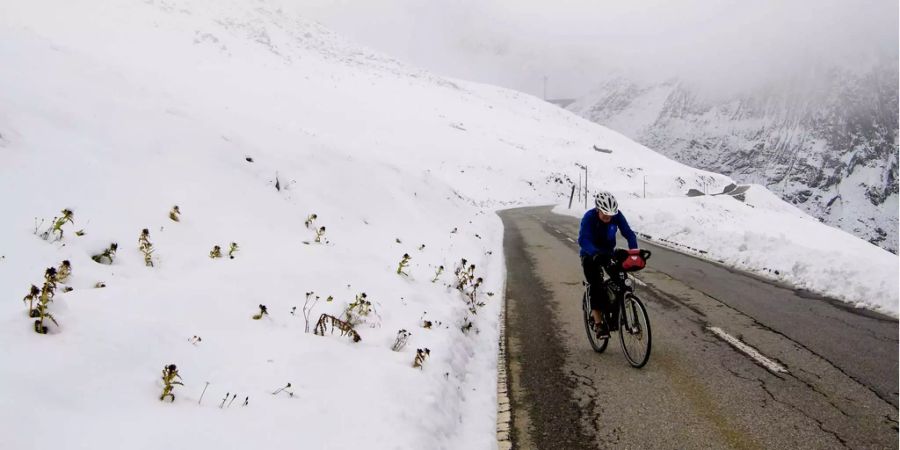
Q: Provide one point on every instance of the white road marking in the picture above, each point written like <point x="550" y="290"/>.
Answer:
<point x="748" y="350"/>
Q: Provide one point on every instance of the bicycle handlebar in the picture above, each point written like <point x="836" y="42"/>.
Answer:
<point x="620" y="255"/>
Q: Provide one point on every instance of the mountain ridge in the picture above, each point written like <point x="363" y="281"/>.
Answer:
<point x="826" y="142"/>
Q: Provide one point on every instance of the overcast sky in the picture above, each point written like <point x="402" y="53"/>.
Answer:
<point x="723" y="44"/>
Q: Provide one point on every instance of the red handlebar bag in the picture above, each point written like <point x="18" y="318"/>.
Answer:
<point x="634" y="261"/>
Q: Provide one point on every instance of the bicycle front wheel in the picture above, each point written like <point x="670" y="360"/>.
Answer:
<point x="599" y="345"/>
<point x="634" y="331"/>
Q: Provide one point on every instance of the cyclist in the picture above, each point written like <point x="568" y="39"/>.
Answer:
<point x="597" y="239"/>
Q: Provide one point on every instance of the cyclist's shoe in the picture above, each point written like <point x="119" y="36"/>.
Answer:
<point x="602" y="330"/>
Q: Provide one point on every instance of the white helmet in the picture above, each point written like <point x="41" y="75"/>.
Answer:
<point x="606" y="203"/>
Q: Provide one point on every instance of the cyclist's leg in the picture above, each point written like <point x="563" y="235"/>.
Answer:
<point x="614" y="272"/>
<point x="593" y="273"/>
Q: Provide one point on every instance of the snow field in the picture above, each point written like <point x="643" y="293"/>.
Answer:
<point x="120" y="111"/>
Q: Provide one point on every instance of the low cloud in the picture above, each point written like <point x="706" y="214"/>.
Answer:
<point x="721" y="44"/>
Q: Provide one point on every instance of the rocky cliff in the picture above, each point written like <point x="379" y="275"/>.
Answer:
<point x="826" y="142"/>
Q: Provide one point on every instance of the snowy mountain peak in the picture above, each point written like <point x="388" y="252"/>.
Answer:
<point x="827" y="144"/>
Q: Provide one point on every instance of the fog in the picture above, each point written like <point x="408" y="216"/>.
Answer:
<point x="723" y="45"/>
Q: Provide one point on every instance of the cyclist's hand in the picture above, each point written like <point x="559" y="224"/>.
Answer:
<point x="601" y="260"/>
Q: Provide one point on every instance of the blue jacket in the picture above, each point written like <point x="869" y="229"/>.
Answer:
<point x="596" y="237"/>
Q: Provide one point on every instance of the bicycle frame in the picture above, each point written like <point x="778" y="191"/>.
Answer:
<point x="623" y="308"/>
<point x="618" y="283"/>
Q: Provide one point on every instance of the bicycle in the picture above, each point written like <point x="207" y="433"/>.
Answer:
<point x="626" y="313"/>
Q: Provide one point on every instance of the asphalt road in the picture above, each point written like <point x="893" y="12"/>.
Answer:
<point x="697" y="391"/>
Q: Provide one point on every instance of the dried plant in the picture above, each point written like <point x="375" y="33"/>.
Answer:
<point x="285" y="390"/>
<point x="263" y="311"/>
<point x="146" y="247"/>
<point x="58" y="224"/>
<point x="42" y="311"/>
<point x="428" y="324"/>
<point x="471" y="296"/>
<point x="421" y="356"/>
<point x="174" y="213"/>
<point x="169" y="375"/>
<point x="359" y="310"/>
<point x="320" y="234"/>
<point x="461" y="267"/>
<point x="404" y="262"/>
<point x="107" y="254"/>
<point x="33" y="294"/>
<point x="64" y="271"/>
<point x="468" y="284"/>
<point x="56" y="228"/>
<point x="310" y="220"/>
<point x="232" y="249"/>
<point x="462" y="274"/>
<point x="308" y="306"/>
<point x="437" y="273"/>
<point x="203" y="393"/>
<point x="216" y="252"/>
<point x="50" y="276"/>
<point x="466" y="326"/>
<point x="345" y="327"/>
<point x="400" y="342"/>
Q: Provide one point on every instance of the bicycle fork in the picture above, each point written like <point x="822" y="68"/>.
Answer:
<point x="631" y="323"/>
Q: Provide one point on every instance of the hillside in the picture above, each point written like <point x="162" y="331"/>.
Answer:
<point x="250" y="119"/>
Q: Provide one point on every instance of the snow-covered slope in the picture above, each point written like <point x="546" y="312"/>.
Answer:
<point x="250" y="119"/>
<point x="826" y="142"/>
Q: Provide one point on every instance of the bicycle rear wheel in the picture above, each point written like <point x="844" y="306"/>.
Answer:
<point x="599" y="345"/>
<point x="634" y="331"/>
